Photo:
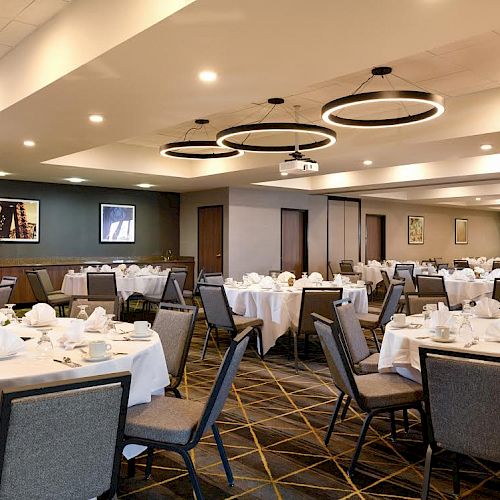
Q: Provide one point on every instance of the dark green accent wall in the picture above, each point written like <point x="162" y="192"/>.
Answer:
<point x="69" y="221"/>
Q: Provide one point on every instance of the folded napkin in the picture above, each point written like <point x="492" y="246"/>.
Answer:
<point x="254" y="278"/>
<point x="316" y="277"/>
<point x="40" y="315"/>
<point x="487" y="308"/>
<point x="479" y="270"/>
<point x="444" y="272"/>
<point x="285" y="276"/>
<point x="441" y="317"/>
<point x="337" y="281"/>
<point x="96" y="320"/>
<point x="391" y="262"/>
<point x="266" y="283"/>
<point x="10" y="343"/>
<point x="494" y="274"/>
<point x="375" y="263"/>
<point x="133" y="269"/>
<point x="145" y="271"/>
<point x="3" y="318"/>
<point x="73" y="336"/>
<point x="90" y="269"/>
<point x="493" y="331"/>
<point x="105" y="268"/>
<point x="463" y="274"/>
<point x="302" y="283"/>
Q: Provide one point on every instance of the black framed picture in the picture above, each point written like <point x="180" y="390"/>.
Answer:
<point x="415" y="230"/>
<point x="19" y="220"/>
<point x="117" y="223"/>
<point x="461" y="231"/>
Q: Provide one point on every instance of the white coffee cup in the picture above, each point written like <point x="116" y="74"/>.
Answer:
<point x="98" y="349"/>
<point x="399" y="319"/>
<point x="141" y="328"/>
<point x="443" y="332"/>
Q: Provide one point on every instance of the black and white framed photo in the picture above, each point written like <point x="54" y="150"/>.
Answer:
<point x="117" y="223"/>
<point x="461" y="231"/>
<point x="19" y="220"/>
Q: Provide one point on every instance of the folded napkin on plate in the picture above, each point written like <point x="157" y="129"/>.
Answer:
<point x="316" y="277"/>
<point x="441" y="317"/>
<point x="285" y="276"/>
<point x="375" y="263"/>
<point x="337" y="281"/>
<point x="133" y="269"/>
<point x="302" y="283"/>
<point x="40" y="315"/>
<point x="90" y="269"/>
<point x="494" y="274"/>
<point x="487" y="308"/>
<point x="96" y="320"/>
<point x="253" y="278"/>
<point x="10" y="342"/>
<point x="73" y="336"/>
<point x="493" y="331"/>
<point x="105" y="268"/>
<point x="266" y="282"/>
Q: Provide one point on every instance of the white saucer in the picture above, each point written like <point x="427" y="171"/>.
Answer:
<point x="487" y="317"/>
<point x="443" y="341"/>
<point x="8" y="356"/>
<point x="86" y="357"/>
<point x="132" y="335"/>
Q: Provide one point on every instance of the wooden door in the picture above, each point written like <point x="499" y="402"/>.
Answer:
<point x="210" y="239"/>
<point x="375" y="237"/>
<point x="294" y="241"/>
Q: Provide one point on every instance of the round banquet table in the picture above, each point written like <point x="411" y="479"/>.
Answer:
<point x="280" y="310"/>
<point x="399" y="350"/>
<point x="151" y="285"/>
<point x="373" y="274"/>
<point x="143" y="359"/>
<point x="459" y="290"/>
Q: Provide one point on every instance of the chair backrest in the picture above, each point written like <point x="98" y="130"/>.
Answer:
<point x="346" y="267"/>
<point x="409" y="285"/>
<point x="336" y="356"/>
<point x="496" y="289"/>
<point x="178" y="291"/>
<point x="174" y="324"/>
<point x="415" y="302"/>
<point x="36" y="286"/>
<point x="443" y="265"/>
<point x="45" y="280"/>
<point x="214" y="278"/>
<point x="430" y="284"/>
<point x="319" y="301"/>
<point x="216" y="307"/>
<point x="391" y="303"/>
<point x="495" y="265"/>
<point x="170" y="293"/>
<point x="199" y="279"/>
<point x="275" y="271"/>
<point x="110" y="304"/>
<point x="75" y="427"/>
<point x="223" y="382"/>
<point x="429" y="262"/>
<point x="451" y="378"/>
<point x="350" y="328"/>
<point x="385" y="278"/>
<point x="102" y="284"/>
<point x="8" y="280"/>
<point x="460" y="263"/>
<point x="401" y="267"/>
<point x="330" y="269"/>
<point x="5" y="294"/>
<point x="174" y="269"/>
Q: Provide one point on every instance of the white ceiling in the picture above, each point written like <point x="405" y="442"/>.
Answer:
<point x="141" y="73"/>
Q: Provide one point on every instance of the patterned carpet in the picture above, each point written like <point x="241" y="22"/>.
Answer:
<point x="273" y="426"/>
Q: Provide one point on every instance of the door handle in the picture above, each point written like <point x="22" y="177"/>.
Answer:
<point x="218" y="255"/>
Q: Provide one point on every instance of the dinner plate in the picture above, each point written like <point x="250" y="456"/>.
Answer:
<point x="86" y="357"/>
<point x="45" y="325"/>
<point x="134" y="336"/>
<point x="443" y="341"/>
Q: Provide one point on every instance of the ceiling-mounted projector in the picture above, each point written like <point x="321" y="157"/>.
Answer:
<point x="298" y="165"/>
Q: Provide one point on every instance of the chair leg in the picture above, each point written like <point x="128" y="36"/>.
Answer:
<point x="177" y="394"/>
<point x="423" y="423"/>
<point x="260" y="347"/>
<point x="295" y="352"/>
<point x="216" y="336"/>
<point x="192" y="474"/>
<point x="393" y="426"/>
<point x="427" y="473"/>
<point x="361" y="440"/>
<point x="149" y="464"/>
<point x="375" y="338"/>
<point x="223" y="456"/>
<point x="131" y="467"/>
<point x="334" y="417"/>
<point x="346" y="407"/>
<point x="205" y="344"/>
<point x="456" y="475"/>
<point x="406" y="423"/>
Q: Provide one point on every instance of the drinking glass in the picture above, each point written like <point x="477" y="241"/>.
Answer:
<point x="109" y="328"/>
<point x="44" y="347"/>
<point x="82" y="314"/>
<point x="274" y="276"/>
<point x="11" y="313"/>
<point x="465" y="331"/>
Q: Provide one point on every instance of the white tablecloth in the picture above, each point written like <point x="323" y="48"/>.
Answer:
<point x="399" y="351"/>
<point x="152" y="285"/>
<point x="459" y="290"/>
<point x="280" y="310"/>
<point x="373" y="274"/>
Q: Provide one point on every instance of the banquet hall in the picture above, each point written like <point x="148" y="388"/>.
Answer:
<point x="249" y="249"/>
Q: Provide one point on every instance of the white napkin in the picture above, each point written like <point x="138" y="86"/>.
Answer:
<point x="302" y="283"/>
<point x="266" y="283"/>
<point x="316" y="277"/>
<point x="145" y="271"/>
<point x="493" y="331"/>
<point x="254" y="278"/>
<point x="96" y="320"/>
<point x="441" y="317"/>
<point x="285" y="276"/>
<point x="375" y="263"/>
<point x="464" y="274"/>
<point x="134" y="269"/>
<point x="444" y="272"/>
<point x="105" y="268"/>
<point x="494" y="274"/>
<point x="3" y="318"/>
<point x="479" y="270"/>
<point x="9" y="342"/>
<point x="337" y="281"/>
<point x="487" y="308"/>
<point x="73" y="336"/>
<point x="90" y="269"/>
<point x="40" y="315"/>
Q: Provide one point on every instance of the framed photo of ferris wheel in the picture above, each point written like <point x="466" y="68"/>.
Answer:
<point x="19" y="220"/>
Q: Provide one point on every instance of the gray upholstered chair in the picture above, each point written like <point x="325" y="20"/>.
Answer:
<point x="409" y="287"/>
<point x="460" y="263"/>
<point x="495" y="265"/>
<point x="415" y="302"/>
<point x="442" y="265"/>
<point x="170" y="292"/>
<point x="43" y="290"/>
<point x="374" y="393"/>
<point x="346" y="266"/>
<point x="372" y="321"/>
<point x="8" y="280"/>
<point x="178" y="424"/>
<point x="5" y="294"/>
<point x="219" y="315"/>
<point x="177" y="269"/>
<point x="430" y="284"/>
<point x="213" y="278"/>
<point x="461" y="394"/>
<point x="63" y="439"/>
<point x="496" y="289"/>
<point x="102" y="284"/>
<point x="400" y="267"/>
<point x="110" y="304"/>
<point x="318" y="300"/>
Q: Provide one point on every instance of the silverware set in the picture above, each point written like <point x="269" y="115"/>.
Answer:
<point x="67" y="361"/>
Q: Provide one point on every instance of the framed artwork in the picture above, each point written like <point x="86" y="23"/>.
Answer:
<point x="117" y="223"/>
<point x="461" y="231"/>
<point x="19" y="220"/>
<point x="415" y="230"/>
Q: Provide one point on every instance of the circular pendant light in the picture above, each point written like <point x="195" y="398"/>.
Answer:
<point x="184" y="149"/>
<point x="324" y="136"/>
<point x="330" y="111"/>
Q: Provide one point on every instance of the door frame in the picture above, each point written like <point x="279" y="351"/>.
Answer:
<point x="305" y="258"/>
<point x="198" y="236"/>
<point x="382" y="235"/>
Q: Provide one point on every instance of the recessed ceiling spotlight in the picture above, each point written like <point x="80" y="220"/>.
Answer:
<point x="29" y="143"/>
<point x="76" y="180"/>
<point x="367" y="163"/>
<point x="145" y="185"/>
<point x="486" y="147"/>
<point x="478" y="199"/>
<point x="96" y="118"/>
<point x="207" y="76"/>
<point x="3" y="174"/>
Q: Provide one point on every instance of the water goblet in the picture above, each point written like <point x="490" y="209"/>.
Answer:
<point x="82" y="314"/>
<point x="11" y="313"/>
<point x="44" y="346"/>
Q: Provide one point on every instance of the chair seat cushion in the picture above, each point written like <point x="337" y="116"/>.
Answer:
<point x="165" y="419"/>
<point x="378" y="390"/>
<point x="242" y="322"/>
<point x="374" y="310"/>
<point x="58" y="298"/>
<point x="368" y="320"/>
<point x="368" y="365"/>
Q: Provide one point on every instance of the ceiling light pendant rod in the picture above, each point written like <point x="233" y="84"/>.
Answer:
<point x="296" y="135"/>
